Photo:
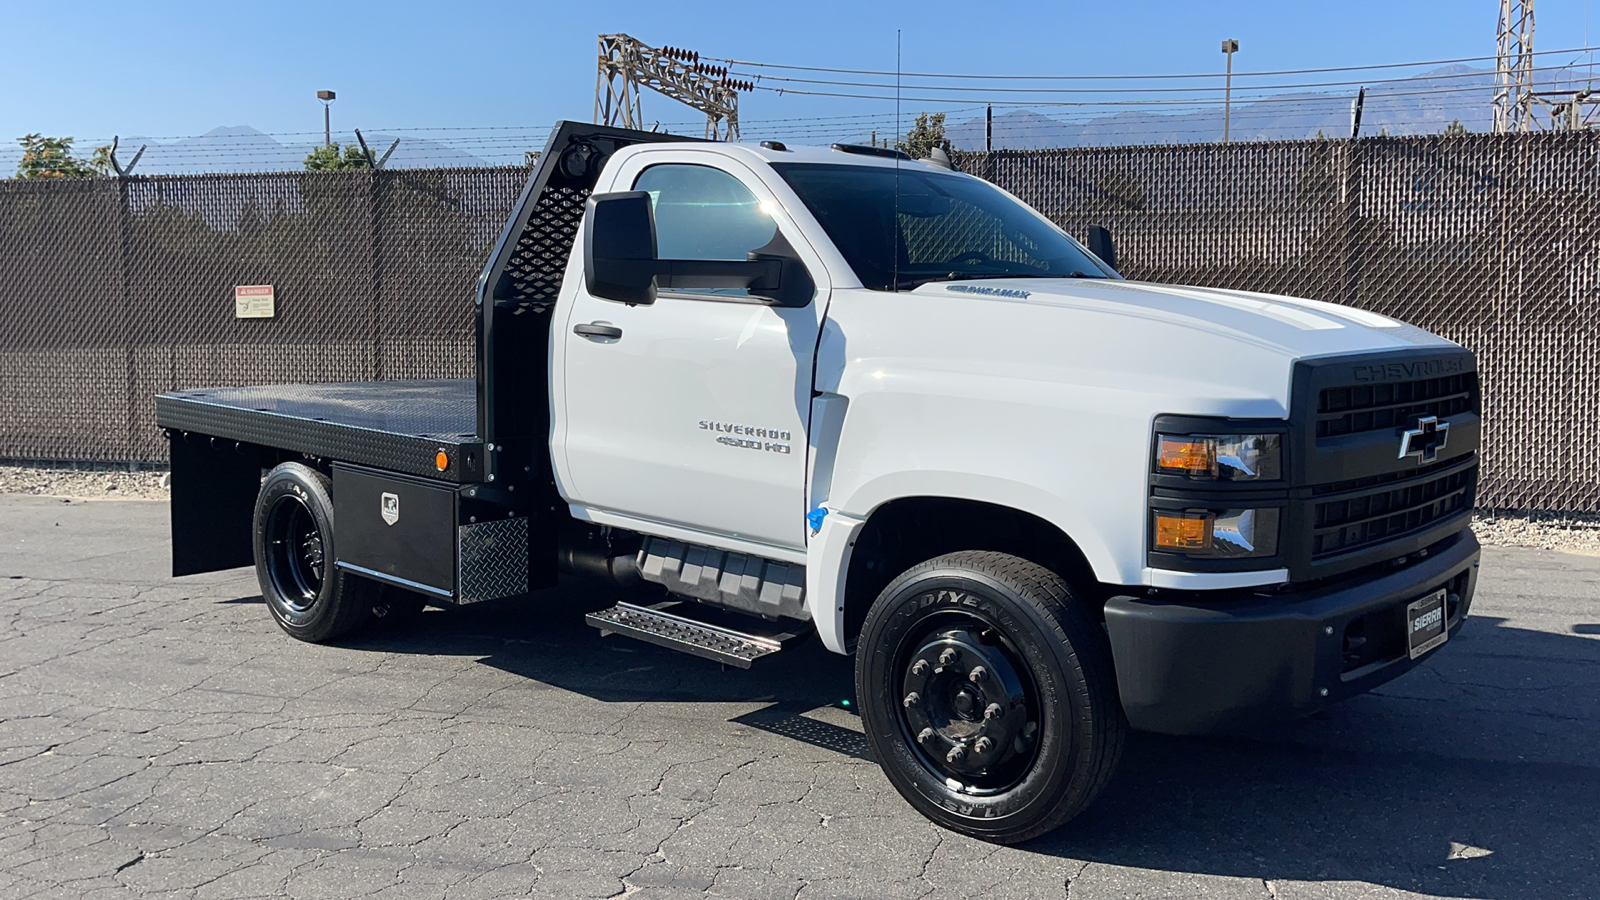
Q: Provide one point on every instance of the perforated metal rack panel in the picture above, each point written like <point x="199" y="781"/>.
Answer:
<point x="534" y="271"/>
<point x="546" y="222"/>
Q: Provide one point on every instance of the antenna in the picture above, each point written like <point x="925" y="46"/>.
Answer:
<point x="894" y="226"/>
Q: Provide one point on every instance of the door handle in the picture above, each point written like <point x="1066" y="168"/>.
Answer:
<point x="594" y="329"/>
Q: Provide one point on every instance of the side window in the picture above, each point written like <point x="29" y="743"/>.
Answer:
<point x="704" y="213"/>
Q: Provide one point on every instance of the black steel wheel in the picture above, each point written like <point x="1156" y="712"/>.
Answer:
<point x="988" y="695"/>
<point x="307" y="596"/>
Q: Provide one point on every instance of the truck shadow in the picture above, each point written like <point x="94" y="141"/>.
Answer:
<point x="1477" y="775"/>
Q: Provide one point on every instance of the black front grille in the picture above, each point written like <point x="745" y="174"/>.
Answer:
<point x="1375" y="407"/>
<point x="1360" y="513"/>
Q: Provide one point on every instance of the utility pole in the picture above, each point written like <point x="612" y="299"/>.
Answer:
<point x="988" y="129"/>
<point x="1229" y="48"/>
<point x="1513" y="71"/>
<point x="327" y="98"/>
<point x="626" y="65"/>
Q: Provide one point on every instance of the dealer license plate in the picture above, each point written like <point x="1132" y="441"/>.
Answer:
<point x="1425" y="623"/>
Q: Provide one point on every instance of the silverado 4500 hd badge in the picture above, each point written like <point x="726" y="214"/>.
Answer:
<point x="748" y="437"/>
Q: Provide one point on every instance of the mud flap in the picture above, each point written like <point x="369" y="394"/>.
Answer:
<point x="214" y="487"/>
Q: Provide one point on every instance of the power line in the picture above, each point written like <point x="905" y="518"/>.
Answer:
<point x="1368" y="68"/>
<point x="1158" y="90"/>
<point x="1100" y="103"/>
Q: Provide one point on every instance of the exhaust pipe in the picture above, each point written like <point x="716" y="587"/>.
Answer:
<point x="598" y="551"/>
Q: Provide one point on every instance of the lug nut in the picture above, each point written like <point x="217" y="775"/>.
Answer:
<point x="956" y="754"/>
<point x="924" y="735"/>
<point x="920" y="667"/>
<point x="978" y="674"/>
<point x="949" y="656"/>
<point x="913" y="700"/>
<point x="993" y="711"/>
<point x="982" y="745"/>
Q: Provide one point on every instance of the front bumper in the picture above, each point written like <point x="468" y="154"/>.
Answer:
<point x="1193" y="667"/>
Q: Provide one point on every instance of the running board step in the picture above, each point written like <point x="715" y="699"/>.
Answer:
<point x="655" y="625"/>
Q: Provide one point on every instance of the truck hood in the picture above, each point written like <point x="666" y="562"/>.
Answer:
<point x="1288" y="326"/>
<point x="1199" y="351"/>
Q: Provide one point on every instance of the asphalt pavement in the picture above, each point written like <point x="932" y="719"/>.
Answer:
<point x="160" y="737"/>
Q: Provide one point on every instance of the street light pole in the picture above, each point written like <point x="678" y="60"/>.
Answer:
<point x="1229" y="47"/>
<point x="327" y="98"/>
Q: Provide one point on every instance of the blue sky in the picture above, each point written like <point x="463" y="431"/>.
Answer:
<point x="168" y="69"/>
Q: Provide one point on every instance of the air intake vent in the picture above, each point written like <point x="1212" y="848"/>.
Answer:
<point x="1377" y="407"/>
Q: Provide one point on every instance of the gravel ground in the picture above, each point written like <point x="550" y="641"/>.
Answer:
<point x="86" y="481"/>
<point x="1564" y="532"/>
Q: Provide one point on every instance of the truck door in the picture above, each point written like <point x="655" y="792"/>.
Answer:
<point x="692" y="412"/>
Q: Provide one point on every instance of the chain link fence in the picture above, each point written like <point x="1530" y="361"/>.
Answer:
<point x="114" y="290"/>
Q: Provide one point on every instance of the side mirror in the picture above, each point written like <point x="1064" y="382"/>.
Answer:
<point x="620" y="261"/>
<point x="619" y="248"/>
<point x="1101" y="245"/>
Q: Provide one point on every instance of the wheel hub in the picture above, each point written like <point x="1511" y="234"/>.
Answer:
<point x="966" y="705"/>
<point x="295" y="556"/>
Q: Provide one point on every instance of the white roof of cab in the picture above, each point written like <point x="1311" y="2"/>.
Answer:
<point x="795" y="153"/>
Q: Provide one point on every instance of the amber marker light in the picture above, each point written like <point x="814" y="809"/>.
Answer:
<point x="1183" y="531"/>
<point x="441" y="460"/>
<point x="1187" y="455"/>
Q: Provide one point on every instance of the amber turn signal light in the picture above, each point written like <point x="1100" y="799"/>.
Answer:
<point x="1188" y="455"/>
<point x="1183" y="531"/>
<point x="441" y="460"/>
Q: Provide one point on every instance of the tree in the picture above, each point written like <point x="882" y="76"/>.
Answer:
<point x="1455" y="127"/>
<point x="329" y="158"/>
<point x="926" y="134"/>
<point x="48" y="157"/>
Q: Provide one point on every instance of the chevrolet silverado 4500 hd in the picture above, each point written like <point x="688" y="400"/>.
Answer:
<point x="835" y="389"/>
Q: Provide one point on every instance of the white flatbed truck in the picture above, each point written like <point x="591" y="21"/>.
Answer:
<point x="840" y="391"/>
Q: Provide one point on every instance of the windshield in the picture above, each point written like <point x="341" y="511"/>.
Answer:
<point x="899" y="228"/>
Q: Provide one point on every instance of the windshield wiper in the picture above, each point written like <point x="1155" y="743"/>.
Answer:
<point x="905" y="282"/>
<point x="912" y="282"/>
<point x="1072" y="274"/>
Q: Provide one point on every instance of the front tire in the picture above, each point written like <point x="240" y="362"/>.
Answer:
<point x="308" y="596"/>
<point x="987" y="693"/>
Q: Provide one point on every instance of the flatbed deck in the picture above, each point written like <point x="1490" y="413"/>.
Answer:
<point x="396" y="425"/>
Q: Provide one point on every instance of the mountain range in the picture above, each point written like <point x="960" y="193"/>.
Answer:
<point x="1426" y="104"/>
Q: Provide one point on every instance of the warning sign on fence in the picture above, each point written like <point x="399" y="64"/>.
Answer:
<point x="253" y="301"/>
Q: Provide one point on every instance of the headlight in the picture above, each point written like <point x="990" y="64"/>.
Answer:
<point x="1225" y="457"/>
<point x="1211" y="534"/>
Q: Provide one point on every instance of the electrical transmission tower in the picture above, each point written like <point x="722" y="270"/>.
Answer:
<point x="1513" y="75"/>
<point x="626" y="65"/>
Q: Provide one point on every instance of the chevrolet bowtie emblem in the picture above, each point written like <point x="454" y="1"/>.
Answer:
<point x="1426" y="440"/>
